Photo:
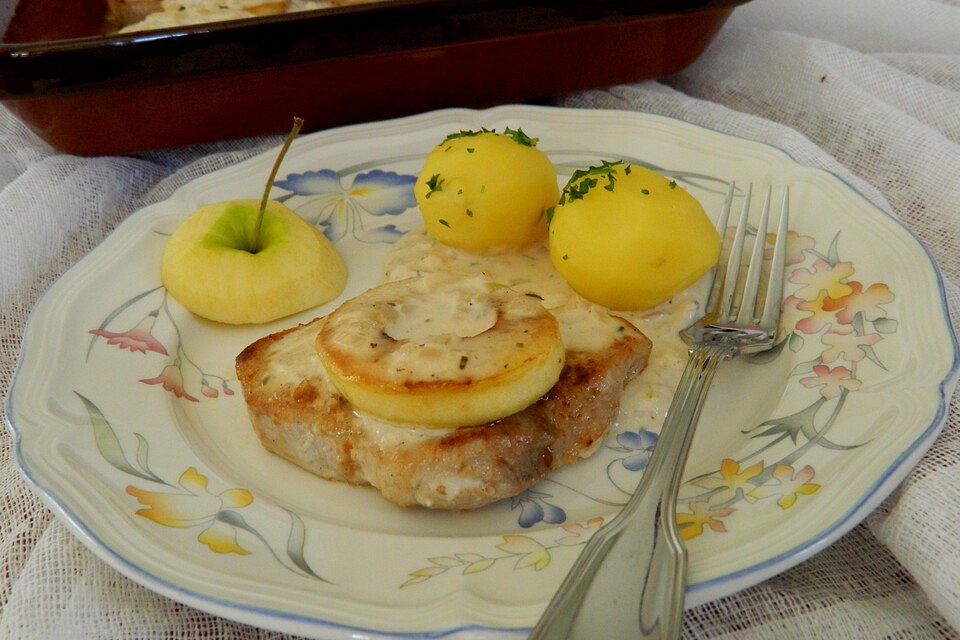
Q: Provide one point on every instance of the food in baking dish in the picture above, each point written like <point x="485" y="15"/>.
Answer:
<point x="144" y="15"/>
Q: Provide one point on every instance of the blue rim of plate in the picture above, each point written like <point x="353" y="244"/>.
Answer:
<point x="702" y="592"/>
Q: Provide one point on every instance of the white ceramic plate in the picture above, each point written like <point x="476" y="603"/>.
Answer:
<point x="129" y="421"/>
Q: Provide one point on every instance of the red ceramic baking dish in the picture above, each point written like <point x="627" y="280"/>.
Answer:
<point x="91" y="94"/>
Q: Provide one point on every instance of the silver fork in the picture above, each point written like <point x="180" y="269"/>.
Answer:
<point x="630" y="579"/>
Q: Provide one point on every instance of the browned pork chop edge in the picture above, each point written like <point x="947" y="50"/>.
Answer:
<point x="317" y="429"/>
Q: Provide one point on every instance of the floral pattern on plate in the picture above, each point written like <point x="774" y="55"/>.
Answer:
<point x="341" y="210"/>
<point x="847" y="318"/>
<point x="864" y="375"/>
<point x="826" y="303"/>
<point x="139" y="338"/>
<point x="191" y="504"/>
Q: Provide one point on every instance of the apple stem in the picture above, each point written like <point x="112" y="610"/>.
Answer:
<point x="297" y="124"/>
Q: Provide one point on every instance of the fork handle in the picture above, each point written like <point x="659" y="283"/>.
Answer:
<point x="629" y="581"/>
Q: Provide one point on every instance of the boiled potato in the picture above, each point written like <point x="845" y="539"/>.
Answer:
<point x="480" y="190"/>
<point x="628" y="238"/>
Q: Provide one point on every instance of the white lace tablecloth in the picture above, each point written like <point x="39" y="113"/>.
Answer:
<point x="869" y="89"/>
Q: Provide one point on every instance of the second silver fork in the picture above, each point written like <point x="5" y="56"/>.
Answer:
<point x="630" y="579"/>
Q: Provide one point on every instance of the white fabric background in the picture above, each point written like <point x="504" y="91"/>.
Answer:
<point x="869" y="89"/>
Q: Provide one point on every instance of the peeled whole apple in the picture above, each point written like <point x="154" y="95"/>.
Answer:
<point x="211" y="266"/>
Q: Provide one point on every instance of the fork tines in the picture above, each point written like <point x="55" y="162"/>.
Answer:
<point x="733" y="297"/>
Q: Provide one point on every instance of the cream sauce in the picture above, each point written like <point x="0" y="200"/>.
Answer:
<point x="294" y="358"/>
<point x="645" y="400"/>
<point x="583" y="325"/>
<point x="448" y="311"/>
<point x="439" y="327"/>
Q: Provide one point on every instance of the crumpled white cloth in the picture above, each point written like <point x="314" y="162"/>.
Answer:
<point x="868" y="89"/>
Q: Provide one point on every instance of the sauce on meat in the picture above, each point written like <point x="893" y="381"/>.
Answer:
<point x="583" y="325"/>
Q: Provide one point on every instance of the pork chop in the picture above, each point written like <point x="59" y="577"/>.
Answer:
<point x="298" y="414"/>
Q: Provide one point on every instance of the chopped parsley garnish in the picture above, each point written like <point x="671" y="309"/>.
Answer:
<point x="550" y="211"/>
<point x="469" y="213"/>
<point x="673" y="184"/>
<point x="577" y="191"/>
<point x="566" y="257"/>
<point x="467" y="134"/>
<point x="517" y="135"/>
<point x="583" y="180"/>
<point x="463" y="362"/>
<point x="470" y="149"/>
<point x="520" y="137"/>
<point x="645" y="192"/>
<point x="434" y="184"/>
<point x="444" y="223"/>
